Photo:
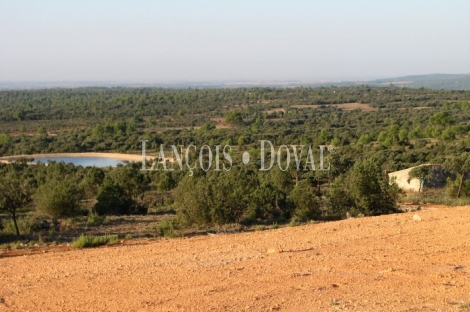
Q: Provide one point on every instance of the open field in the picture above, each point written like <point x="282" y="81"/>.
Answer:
<point x="385" y="263"/>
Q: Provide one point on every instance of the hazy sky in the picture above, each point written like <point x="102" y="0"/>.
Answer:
<point x="175" y="40"/>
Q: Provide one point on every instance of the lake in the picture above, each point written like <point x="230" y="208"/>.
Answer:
<point x="82" y="161"/>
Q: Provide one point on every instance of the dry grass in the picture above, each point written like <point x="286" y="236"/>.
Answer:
<point x="275" y="110"/>
<point x="220" y="123"/>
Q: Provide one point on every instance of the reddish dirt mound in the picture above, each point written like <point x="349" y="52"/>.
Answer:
<point x="386" y="263"/>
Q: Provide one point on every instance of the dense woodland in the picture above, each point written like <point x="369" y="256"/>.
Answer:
<point x="374" y="129"/>
<point x="399" y="126"/>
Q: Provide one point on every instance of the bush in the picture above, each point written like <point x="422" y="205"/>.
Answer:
<point x="113" y="200"/>
<point x="267" y="203"/>
<point x="59" y="198"/>
<point x="452" y="187"/>
<point x="339" y="200"/>
<point x="192" y="200"/>
<point x="436" y="197"/>
<point x="364" y="190"/>
<point x="86" y="241"/>
<point x="28" y="224"/>
<point x="214" y="198"/>
<point x="167" y="228"/>
<point x="95" y="219"/>
<point x="306" y="204"/>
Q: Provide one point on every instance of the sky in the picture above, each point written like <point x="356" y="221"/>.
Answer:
<point x="231" y="40"/>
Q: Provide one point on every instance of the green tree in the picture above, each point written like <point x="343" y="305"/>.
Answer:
<point x="268" y="203"/>
<point x="306" y="204"/>
<point x="166" y="181"/>
<point x="460" y="166"/>
<point x="59" y="198"/>
<point x="230" y="193"/>
<point x="324" y="136"/>
<point x="364" y="190"/>
<point x="441" y="119"/>
<point x="403" y="136"/>
<point x="112" y="199"/>
<point x="192" y="200"/>
<point x="421" y="173"/>
<point x="91" y="181"/>
<point x="207" y="126"/>
<point x="19" y="114"/>
<point x="364" y="139"/>
<point x="234" y="118"/>
<point x="214" y="198"/>
<point x="42" y="131"/>
<point x="242" y="141"/>
<point x="13" y="195"/>
<point x="5" y="139"/>
<point x="131" y="180"/>
<point x="339" y="200"/>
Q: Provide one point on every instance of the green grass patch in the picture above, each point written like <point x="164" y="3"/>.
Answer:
<point x="12" y="245"/>
<point x="96" y="220"/>
<point x="435" y="198"/>
<point x="87" y="241"/>
<point x="168" y="228"/>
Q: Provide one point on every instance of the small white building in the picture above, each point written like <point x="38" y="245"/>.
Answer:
<point x="401" y="178"/>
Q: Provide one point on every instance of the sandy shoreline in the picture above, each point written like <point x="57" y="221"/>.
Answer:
<point x="117" y="156"/>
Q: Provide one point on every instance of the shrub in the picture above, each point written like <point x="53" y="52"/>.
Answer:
<point x="260" y="228"/>
<point x="363" y="190"/>
<point x="213" y="198"/>
<point x="216" y="198"/>
<point x="267" y="203"/>
<point x="306" y="204"/>
<point x="113" y="200"/>
<point x="339" y="200"/>
<point x="294" y="223"/>
<point x="28" y="224"/>
<point x="95" y="219"/>
<point x="452" y="187"/>
<point x="86" y="241"/>
<point x="59" y="198"/>
<point x="167" y="228"/>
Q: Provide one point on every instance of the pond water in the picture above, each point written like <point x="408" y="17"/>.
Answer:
<point x="82" y="161"/>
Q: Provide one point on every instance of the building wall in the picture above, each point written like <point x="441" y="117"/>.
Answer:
<point x="402" y="180"/>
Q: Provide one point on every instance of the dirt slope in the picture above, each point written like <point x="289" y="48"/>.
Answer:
<point x="386" y="263"/>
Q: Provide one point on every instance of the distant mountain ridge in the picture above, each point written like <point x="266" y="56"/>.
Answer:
<point x="432" y="81"/>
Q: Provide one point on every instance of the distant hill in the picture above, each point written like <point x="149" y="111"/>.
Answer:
<point x="434" y="81"/>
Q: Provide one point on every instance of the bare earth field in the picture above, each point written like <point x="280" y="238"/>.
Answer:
<point x="386" y="263"/>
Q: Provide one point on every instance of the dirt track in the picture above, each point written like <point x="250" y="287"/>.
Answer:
<point x="387" y="263"/>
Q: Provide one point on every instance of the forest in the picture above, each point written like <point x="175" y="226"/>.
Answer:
<point x="373" y="129"/>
